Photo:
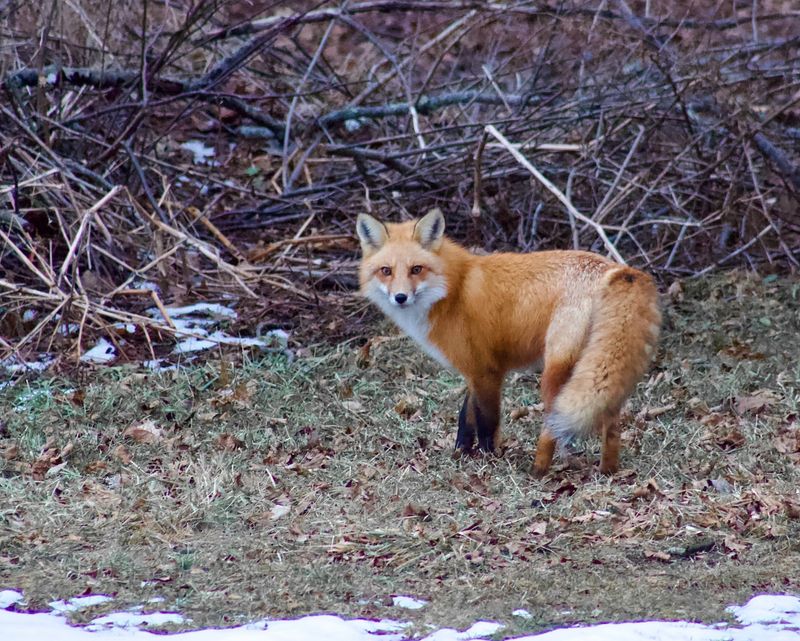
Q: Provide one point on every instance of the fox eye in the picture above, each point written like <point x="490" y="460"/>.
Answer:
<point x="386" y="271"/>
<point x="416" y="269"/>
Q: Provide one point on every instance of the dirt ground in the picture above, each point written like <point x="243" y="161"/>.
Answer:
<point x="268" y="486"/>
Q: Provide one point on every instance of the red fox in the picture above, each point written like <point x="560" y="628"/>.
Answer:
<point x="593" y="324"/>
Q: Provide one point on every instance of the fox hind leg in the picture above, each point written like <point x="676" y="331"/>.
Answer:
<point x="609" y="454"/>
<point x="553" y="379"/>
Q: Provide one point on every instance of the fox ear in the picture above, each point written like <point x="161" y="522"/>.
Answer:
<point x="429" y="229"/>
<point x="371" y="232"/>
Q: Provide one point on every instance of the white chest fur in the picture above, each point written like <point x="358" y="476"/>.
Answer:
<point x="413" y="320"/>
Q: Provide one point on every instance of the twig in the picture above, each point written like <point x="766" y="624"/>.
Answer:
<point x="476" y="178"/>
<point x="556" y="192"/>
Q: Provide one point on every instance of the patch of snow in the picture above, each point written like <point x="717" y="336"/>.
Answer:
<point x="146" y="284"/>
<point x="213" y="309"/>
<point x="51" y="78"/>
<point x="664" y="631"/>
<point x="193" y="345"/>
<point x="201" y="153"/>
<point x="278" y="336"/>
<point x="101" y="353"/>
<point x="9" y="598"/>
<point x="407" y="602"/>
<point x="13" y="366"/>
<point x="479" y="630"/>
<point x="155" y="365"/>
<point x="769" y="608"/>
<point x="764" y="618"/>
<point x="134" y="620"/>
<point x="128" y="327"/>
<point x="28" y="315"/>
<point x="79" y="602"/>
<point x="522" y="614"/>
<point x="352" y="124"/>
<point x="68" y="329"/>
<point x="196" y="330"/>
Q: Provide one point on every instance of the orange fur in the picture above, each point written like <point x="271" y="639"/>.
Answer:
<point x="592" y="323"/>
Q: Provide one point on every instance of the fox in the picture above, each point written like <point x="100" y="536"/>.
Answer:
<point x="591" y="324"/>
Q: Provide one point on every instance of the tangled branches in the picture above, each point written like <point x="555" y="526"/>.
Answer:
<point x="207" y="153"/>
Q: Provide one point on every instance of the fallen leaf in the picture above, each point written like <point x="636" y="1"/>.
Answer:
<point x="675" y="291"/>
<point x="538" y="529"/>
<point x="11" y="452"/>
<point x="122" y="454"/>
<point x="145" y="432"/>
<point x="519" y="412"/>
<point x="730" y="440"/>
<point x="94" y="467"/>
<point x="407" y="406"/>
<point x="228" y="442"/>
<point x="755" y="403"/>
<point x="657" y="555"/>
<point x="792" y="510"/>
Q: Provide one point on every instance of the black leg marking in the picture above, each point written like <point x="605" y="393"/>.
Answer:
<point x="486" y="430"/>
<point x="465" y="438"/>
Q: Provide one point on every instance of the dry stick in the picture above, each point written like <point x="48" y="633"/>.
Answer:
<point x="200" y="216"/>
<point x="161" y="308"/>
<point x="293" y="104"/>
<point x="556" y="192"/>
<point x="29" y="181"/>
<point x="205" y="249"/>
<point x="601" y="210"/>
<point x="765" y="209"/>
<point x="476" y="179"/>
<point x="781" y="160"/>
<point x="86" y="220"/>
<point x="675" y="246"/>
<point x="572" y="224"/>
<point x="9" y="243"/>
<point x="258" y="255"/>
<point x="738" y="251"/>
<point x="79" y="340"/>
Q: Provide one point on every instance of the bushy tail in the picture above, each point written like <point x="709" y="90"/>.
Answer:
<point x="625" y="324"/>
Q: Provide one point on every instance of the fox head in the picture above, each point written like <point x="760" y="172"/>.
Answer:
<point x="401" y="268"/>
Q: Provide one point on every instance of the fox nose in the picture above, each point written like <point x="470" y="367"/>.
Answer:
<point x="400" y="298"/>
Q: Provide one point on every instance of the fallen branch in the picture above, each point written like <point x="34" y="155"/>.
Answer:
<point x="532" y="9"/>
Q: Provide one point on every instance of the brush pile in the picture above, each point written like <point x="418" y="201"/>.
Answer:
<point x="167" y="153"/>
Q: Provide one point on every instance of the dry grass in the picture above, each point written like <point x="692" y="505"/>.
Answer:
<point x="271" y="488"/>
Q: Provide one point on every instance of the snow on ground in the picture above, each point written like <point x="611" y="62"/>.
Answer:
<point x="201" y="153"/>
<point x="763" y="618"/>
<point x="196" y="328"/>
<point x="194" y="322"/>
<point x="79" y="602"/>
<point x="102" y="352"/>
<point x="408" y="602"/>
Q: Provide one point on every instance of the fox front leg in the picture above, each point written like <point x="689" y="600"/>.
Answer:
<point x="465" y="439"/>
<point x="479" y="418"/>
